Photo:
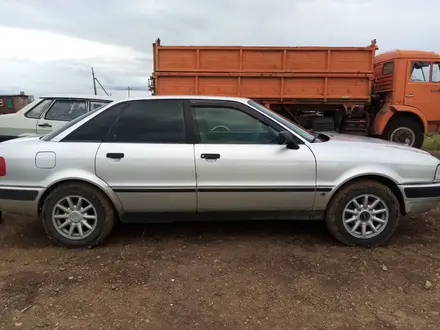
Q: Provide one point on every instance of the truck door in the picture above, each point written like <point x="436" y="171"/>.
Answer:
<point x="423" y="88"/>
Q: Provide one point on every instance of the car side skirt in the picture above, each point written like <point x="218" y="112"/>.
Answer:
<point x="159" y="217"/>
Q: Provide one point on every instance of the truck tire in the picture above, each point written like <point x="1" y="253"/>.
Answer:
<point x="363" y="213"/>
<point x="77" y="215"/>
<point x="404" y="130"/>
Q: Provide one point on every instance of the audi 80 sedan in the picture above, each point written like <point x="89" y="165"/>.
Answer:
<point x="196" y="157"/>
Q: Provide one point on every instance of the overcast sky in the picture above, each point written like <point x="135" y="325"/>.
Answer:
<point x="49" y="46"/>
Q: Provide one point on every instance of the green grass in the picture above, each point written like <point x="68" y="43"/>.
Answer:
<point x="431" y="142"/>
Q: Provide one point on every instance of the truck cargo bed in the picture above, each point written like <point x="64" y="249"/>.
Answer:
<point x="272" y="74"/>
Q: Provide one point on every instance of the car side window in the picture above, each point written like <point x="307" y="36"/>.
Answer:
<point x="97" y="104"/>
<point x="224" y="125"/>
<point x="150" y="121"/>
<point x="66" y="110"/>
<point x="36" y="111"/>
<point x="420" y="71"/>
<point x="97" y="128"/>
<point x="387" y="68"/>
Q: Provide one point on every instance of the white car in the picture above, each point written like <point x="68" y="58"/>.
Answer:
<point x="48" y="113"/>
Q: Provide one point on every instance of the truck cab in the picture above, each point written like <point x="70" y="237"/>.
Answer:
<point x="408" y="86"/>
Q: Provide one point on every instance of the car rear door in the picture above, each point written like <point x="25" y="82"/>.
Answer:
<point x="59" y="113"/>
<point x="240" y="165"/>
<point x="147" y="159"/>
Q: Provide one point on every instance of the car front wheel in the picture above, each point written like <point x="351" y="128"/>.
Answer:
<point x="363" y="213"/>
<point x="77" y="215"/>
<point x="404" y="131"/>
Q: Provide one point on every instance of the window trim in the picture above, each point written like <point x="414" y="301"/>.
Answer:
<point x="194" y="103"/>
<point x="186" y="139"/>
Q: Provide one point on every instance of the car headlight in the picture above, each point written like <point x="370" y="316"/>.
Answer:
<point x="437" y="173"/>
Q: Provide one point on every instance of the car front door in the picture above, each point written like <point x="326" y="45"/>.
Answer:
<point x="60" y="113"/>
<point x="147" y="159"/>
<point x="240" y="165"/>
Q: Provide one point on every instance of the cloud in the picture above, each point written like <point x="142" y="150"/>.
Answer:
<point x="56" y="42"/>
<point x="53" y="62"/>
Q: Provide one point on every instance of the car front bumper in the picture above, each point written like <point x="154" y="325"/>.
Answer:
<point x="420" y="198"/>
<point x="20" y="200"/>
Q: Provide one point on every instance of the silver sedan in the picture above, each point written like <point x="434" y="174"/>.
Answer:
<point x="197" y="157"/>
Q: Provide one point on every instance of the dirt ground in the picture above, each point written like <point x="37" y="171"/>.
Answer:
<point x="261" y="275"/>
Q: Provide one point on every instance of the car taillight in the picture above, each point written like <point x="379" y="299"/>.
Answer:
<point x="2" y="166"/>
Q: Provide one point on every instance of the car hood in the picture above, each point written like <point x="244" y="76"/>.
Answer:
<point x="364" y="141"/>
<point x="347" y="156"/>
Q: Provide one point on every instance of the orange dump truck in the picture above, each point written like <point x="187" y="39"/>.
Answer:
<point x="394" y="95"/>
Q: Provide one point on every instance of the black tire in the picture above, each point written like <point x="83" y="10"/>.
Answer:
<point x="334" y="212"/>
<point x="405" y="122"/>
<point x="106" y="214"/>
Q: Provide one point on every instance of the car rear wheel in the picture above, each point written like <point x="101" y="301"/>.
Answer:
<point x="364" y="213"/>
<point x="77" y="215"/>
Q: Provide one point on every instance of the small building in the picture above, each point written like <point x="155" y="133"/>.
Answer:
<point x="14" y="102"/>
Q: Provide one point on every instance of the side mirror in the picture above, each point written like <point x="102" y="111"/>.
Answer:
<point x="285" y="137"/>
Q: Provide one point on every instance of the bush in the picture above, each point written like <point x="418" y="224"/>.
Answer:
<point x="431" y="142"/>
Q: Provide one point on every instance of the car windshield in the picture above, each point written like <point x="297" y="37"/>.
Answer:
<point x="283" y="120"/>
<point x="54" y="133"/>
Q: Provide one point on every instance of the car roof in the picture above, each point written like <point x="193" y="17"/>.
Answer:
<point x="186" y="97"/>
<point x="78" y="96"/>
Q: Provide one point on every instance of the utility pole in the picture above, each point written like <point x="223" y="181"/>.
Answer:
<point x="128" y="90"/>
<point x="94" y="82"/>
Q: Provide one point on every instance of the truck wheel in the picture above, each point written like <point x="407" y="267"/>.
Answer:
<point x="77" y="215"/>
<point x="405" y="131"/>
<point x="363" y="213"/>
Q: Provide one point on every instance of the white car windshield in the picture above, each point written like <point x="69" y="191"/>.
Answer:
<point x="283" y="120"/>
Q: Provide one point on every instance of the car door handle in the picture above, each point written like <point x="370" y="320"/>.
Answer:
<point x="409" y="95"/>
<point x="115" y="155"/>
<point x="44" y="125"/>
<point x="210" y="156"/>
<point x="435" y="90"/>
